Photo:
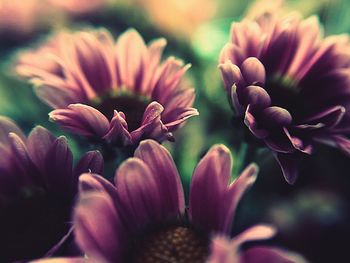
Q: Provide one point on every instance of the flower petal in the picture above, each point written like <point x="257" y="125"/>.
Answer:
<point x="236" y="190"/>
<point x="152" y="126"/>
<point x="129" y="52"/>
<point x="118" y="132"/>
<point x="222" y="251"/>
<point x="58" y="165"/>
<point x="253" y="125"/>
<point x="56" y="97"/>
<point x="93" y="182"/>
<point x="231" y="74"/>
<point x="98" y="230"/>
<point x="163" y="168"/>
<point x="290" y="165"/>
<point x="39" y="143"/>
<point x="138" y="193"/>
<point x="61" y="260"/>
<point x="254" y="233"/>
<point x="7" y="126"/>
<point x="255" y="96"/>
<point x="262" y="254"/>
<point x="90" y="162"/>
<point x="209" y="185"/>
<point x="253" y="71"/>
<point x="81" y="119"/>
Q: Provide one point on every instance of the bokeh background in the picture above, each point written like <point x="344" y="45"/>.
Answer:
<point x="312" y="216"/>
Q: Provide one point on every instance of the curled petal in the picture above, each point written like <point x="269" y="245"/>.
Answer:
<point x="254" y="96"/>
<point x="152" y="126"/>
<point x="276" y="117"/>
<point x="290" y="164"/>
<point x="231" y="75"/>
<point x="81" y="119"/>
<point x="180" y="115"/>
<point x="118" y="132"/>
<point x="253" y="125"/>
<point x="253" y="71"/>
<point x="328" y="118"/>
<point x="298" y="143"/>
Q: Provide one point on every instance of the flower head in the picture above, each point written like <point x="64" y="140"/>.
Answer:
<point x="291" y="85"/>
<point x="119" y="92"/>
<point x="37" y="185"/>
<point x="142" y="218"/>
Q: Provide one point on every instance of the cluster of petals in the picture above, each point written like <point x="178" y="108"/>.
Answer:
<point x="290" y="84"/>
<point x="148" y="191"/>
<point x="119" y="92"/>
<point x="39" y="163"/>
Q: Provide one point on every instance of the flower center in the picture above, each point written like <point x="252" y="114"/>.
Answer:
<point x="171" y="245"/>
<point x="132" y="106"/>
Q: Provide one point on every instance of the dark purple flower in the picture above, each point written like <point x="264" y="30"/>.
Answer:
<point x="142" y="218"/>
<point x="119" y="92"/>
<point x="37" y="189"/>
<point x="291" y="85"/>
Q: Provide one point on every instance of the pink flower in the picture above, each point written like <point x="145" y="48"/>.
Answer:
<point x="38" y="185"/>
<point x="119" y="92"/>
<point x="289" y="84"/>
<point x="143" y="217"/>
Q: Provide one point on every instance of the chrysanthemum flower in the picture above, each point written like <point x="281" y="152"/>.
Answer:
<point x="37" y="189"/>
<point x="143" y="218"/>
<point x="119" y="92"/>
<point x="291" y="85"/>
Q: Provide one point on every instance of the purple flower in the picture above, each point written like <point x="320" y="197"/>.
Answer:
<point x="37" y="189"/>
<point x="119" y="92"/>
<point x="291" y="85"/>
<point x="143" y="217"/>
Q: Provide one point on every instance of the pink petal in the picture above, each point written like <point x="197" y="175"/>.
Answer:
<point x="39" y="143"/>
<point x="263" y="254"/>
<point x="81" y="119"/>
<point x="138" y="193"/>
<point x="166" y="176"/>
<point x="98" y="230"/>
<point x="7" y="126"/>
<point x="208" y="188"/>
<point x="118" y="132"/>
